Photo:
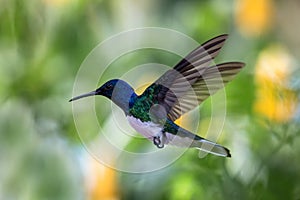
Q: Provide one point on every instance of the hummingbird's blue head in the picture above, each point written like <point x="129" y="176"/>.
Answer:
<point x="108" y="88"/>
<point x="120" y="92"/>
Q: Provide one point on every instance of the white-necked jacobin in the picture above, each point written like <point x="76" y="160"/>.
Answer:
<point x="176" y="92"/>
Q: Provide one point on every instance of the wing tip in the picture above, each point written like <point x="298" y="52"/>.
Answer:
<point x="241" y="64"/>
<point x="223" y="35"/>
<point x="236" y="63"/>
<point x="220" y="38"/>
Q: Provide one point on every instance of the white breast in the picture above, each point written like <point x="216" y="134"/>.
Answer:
<point x="147" y="129"/>
<point x="150" y="129"/>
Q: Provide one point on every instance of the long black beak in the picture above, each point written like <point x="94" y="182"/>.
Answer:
<point x="83" y="95"/>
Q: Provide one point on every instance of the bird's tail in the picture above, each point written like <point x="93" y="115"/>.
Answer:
<point x="210" y="147"/>
<point x="184" y="138"/>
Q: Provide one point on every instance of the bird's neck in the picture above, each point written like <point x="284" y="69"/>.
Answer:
<point x="125" y="102"/>
<point x="124" y="97"/>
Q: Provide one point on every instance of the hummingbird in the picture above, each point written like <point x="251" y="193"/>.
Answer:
<point x="178" y="91"/>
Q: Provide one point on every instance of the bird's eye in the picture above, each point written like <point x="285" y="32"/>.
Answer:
<point x="109" y="86"/>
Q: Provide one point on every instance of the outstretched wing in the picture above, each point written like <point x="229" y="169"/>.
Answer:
<point x="191" y="81"/>
<point x="213" y="78"/>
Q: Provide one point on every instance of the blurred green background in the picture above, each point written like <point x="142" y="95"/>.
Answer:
<point x="43" y="43"/>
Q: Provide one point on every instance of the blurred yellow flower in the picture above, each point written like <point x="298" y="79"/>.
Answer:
<point x="253" y="17"/>
<point x="274" y="99"/>
<point x="101" y="181"/>
<point x="142" y="88"/>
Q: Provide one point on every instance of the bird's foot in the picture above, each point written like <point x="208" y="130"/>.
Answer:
<point x="159" y="141"/>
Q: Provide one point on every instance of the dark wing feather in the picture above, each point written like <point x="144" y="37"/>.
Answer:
<point x="212" y="79"/>
<point x="192" y="65"/>
<point x="174" y="89"/>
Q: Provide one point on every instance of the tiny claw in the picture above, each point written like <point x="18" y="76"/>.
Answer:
<point x="157" y="142"/>
<point x="160" y="146"/>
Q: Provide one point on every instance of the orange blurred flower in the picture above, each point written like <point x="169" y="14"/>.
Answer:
<point x="274" y="99"/>
<point x="101" y="181"/>
<point x="253" y="17"/>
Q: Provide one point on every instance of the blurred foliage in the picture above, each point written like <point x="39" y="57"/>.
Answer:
<point x="43" y="43"/>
